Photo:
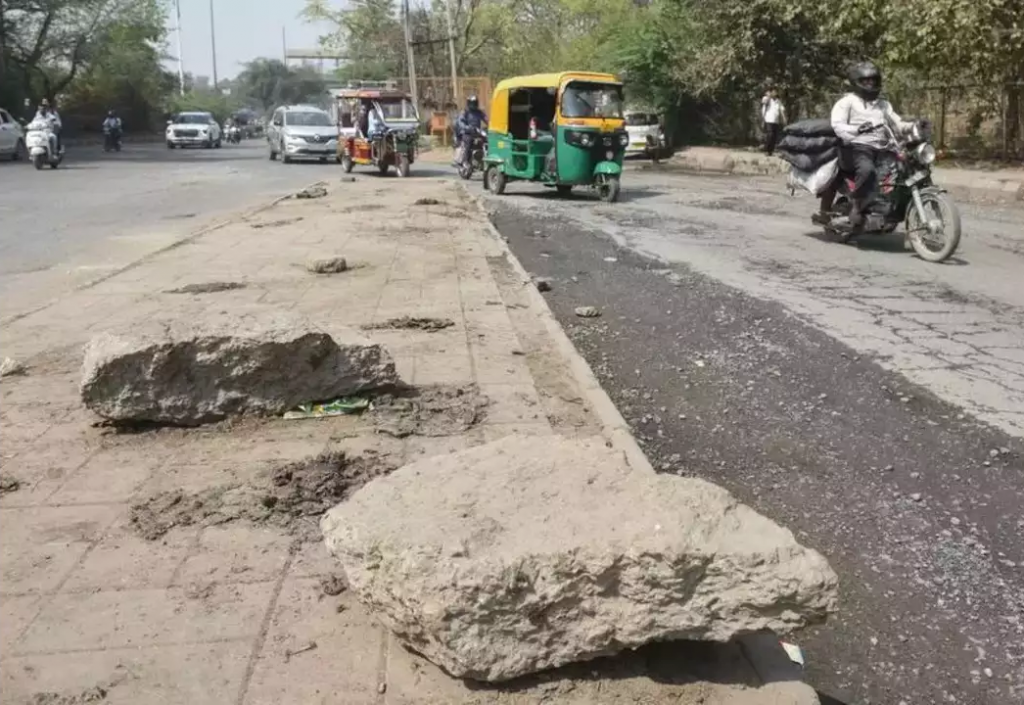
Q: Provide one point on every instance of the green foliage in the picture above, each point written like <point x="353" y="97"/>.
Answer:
<point x="267" y="83"/>
<point x="219" y="105"/>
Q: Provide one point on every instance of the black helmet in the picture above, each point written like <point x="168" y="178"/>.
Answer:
<point x="866" y="80"/>
<point x="110" y="113"/>
<point x="472" y="102"/>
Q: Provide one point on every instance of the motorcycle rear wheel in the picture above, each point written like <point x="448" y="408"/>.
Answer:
<point x="939" y="206"/>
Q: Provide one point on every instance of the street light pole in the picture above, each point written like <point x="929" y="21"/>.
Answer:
<point x="451" y="52"/>
<point x="213" y="46"/>
<point x="181" y="65"/>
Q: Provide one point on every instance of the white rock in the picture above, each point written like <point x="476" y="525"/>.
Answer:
<point x="521" y="555"/>
<point x="191" y="371"/>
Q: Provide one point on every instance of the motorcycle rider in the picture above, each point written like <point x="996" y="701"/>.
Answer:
<point x="855" y="120"/>
<point x="48" y="114"/>
<point x="469" y="121"/>
<point x="112" y="123"/>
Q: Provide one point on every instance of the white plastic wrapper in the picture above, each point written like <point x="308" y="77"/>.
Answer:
<point x="814" y="181"/>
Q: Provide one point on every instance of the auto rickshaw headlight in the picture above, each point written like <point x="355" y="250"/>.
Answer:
<point x="624" y="139"/>
<point x="586" y="140"/>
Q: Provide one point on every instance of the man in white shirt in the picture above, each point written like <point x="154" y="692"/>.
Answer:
<point x="48" y="114"/>
<point x="857" y="119"/>
<point x="773" y="112"/>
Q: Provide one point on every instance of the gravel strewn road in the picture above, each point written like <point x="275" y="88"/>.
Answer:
<point x="764" y="359"/>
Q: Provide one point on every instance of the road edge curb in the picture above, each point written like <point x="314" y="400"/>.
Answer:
<point x="613" y="424"/>
<point x="238" y="216"/>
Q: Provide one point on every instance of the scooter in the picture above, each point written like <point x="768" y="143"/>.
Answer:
<point x="234" y="135"/>
<point x="41" y="142"/>
<point x="111" y="139"/>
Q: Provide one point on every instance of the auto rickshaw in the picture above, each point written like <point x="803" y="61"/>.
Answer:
<point x="559" y="129"/>
<point x="393" y="142"/>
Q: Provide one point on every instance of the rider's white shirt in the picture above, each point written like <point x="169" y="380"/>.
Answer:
<point x="852" y="111"/>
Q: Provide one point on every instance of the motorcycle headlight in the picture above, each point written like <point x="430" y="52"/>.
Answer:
<point x="925" y="154"/>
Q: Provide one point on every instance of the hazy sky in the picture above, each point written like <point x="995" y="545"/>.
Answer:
<point x="246" y="29"/>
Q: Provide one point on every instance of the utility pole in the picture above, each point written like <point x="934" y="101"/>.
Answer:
<point x="284" y="46"/>
<point x="410" y="57"/>
<point x="181" y="63"/>
<point x="451" y="51"/>
<point x="213" y="46"/>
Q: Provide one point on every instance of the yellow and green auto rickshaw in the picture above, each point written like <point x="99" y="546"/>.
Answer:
<point x="558" y="129"/>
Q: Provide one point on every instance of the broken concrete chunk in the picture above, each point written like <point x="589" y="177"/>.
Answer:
<point x="318" y="190"/>
<point x="187" y="373"/>
<point x="520" y="556"/>
<point x="542" y="283"/>
<point x="329" y="265"/>
<point x="10" y="367"/>
<point x="587" y="311"/>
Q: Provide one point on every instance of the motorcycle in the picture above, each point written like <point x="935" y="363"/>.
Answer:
<point x="111" y="139"/>
<point x="41" y="142"/>
<point x="904" y="194"/>
<point x="477" y="154"/>
<point x="234" y="135"/>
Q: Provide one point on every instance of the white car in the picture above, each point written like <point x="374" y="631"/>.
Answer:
<point x="645" y="134"/>
<point x="12" y="137"/>
<point x="302" y="132"/>
<point x="193" y="130"/>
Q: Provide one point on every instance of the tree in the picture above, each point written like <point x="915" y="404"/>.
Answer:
<point x="269" y="83"/>
<point x="50" y="43"/>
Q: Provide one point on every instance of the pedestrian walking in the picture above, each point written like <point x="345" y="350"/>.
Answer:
<point x="773" y="113"/>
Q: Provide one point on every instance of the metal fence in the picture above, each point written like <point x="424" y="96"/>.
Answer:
<point x="974" y="120"/>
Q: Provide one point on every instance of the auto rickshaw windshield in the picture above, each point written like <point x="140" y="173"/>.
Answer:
<point x="582" y="99"/>
<point x="401" y="109"/>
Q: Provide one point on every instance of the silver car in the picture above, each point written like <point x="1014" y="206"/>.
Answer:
<point x="302" y="132"/>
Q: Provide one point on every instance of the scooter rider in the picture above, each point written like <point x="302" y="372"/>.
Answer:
<point x="48" y="114"/>
<point x="855" y="120"/>
<point x="469" y="121"/>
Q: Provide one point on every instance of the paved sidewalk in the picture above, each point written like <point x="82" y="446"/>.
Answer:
<point x="239" y="612"/>
<point x="977" y="184"/>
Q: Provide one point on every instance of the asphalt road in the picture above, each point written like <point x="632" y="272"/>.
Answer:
<point x="837" y="389"/>
<point x="100" y="211"/>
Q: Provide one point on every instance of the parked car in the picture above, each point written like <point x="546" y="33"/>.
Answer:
<point x="302" y="132"/>
<point x="12" y="137"/>
<point x="646" y="135"/>
<point x="193" y="130"/>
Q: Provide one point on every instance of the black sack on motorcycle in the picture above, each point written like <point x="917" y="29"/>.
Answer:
<point x="813" y="127"/>
<point x="798" y="144"/>
<point x="810" y="162"/>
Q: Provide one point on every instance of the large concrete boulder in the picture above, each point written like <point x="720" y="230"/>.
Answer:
<point x="191" y="371"/>
<point x="530" y="553"/>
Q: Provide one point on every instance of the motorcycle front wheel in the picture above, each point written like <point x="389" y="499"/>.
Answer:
<point x="937" y="239"/>
<point x="38" y="161"/>
<point x="466" y="171"/>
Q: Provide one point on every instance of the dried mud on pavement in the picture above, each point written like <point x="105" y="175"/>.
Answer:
<point x="155" y="564"/>
<point x="915" y="503"/>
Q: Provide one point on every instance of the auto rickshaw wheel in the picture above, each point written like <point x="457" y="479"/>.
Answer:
<point x="347" y="163"/>
<point x="608" y="188"/>
<point x="563" y="189"/>
<point x="403" y="165"/>
<point x="497" y="181"/>
<point x="383" y="168"/>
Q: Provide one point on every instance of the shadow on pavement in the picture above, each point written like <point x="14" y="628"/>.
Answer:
<point x="678" y="663"/>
